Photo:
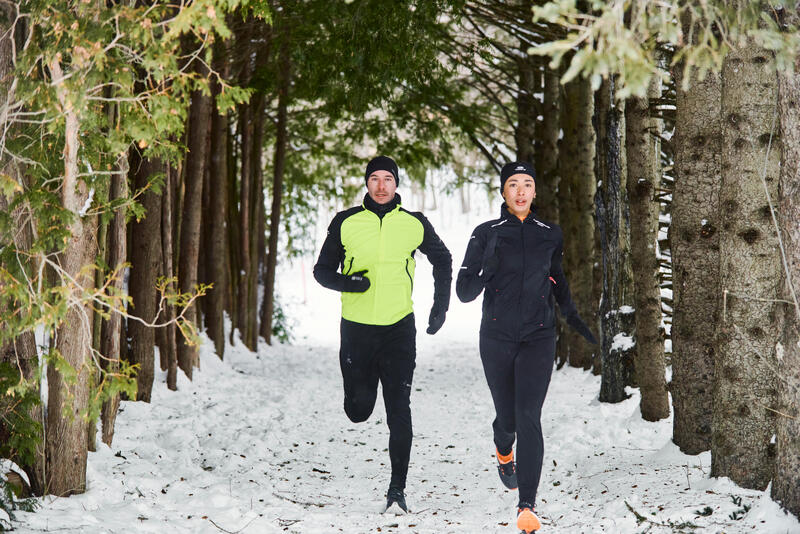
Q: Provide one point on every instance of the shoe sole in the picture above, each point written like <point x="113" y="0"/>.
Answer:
<point x="527" y="522"/>
<point x="394" y="509"/>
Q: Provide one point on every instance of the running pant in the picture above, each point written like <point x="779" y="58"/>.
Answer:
<point x="371" y="353"/>
<point x="518" y="375"/>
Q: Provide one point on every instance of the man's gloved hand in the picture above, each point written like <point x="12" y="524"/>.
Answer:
<point x="575" y="321"/>
<point x="436" y="319"/>
<point x="356" y="282"/>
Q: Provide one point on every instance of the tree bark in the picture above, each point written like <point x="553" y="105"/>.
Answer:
<point x="20" y="352"/>
<point x="616" y="306"/>
<point x="257" y="221"/>
<point x="694" y="243"/>
<point x="547" y="179"/>
<point x="169" y="347"/>
<point x="643" y="152"/>
<point x="576" y="192"/>
<point x="145" y="254"/>
<point x="199" y="123"/>
<point x="744" y="385"/>
<point x="111" y="335"/>
<point x="786" y="481"/>
<point x="281" y="141"/>
<point x="218" y="249"/>
<point x="66" y="435"/>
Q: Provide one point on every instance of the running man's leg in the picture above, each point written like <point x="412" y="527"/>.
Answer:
<point x="498" y="366"/>
<point x="359" y="365"/>
<point x="533" y="368"/>
<point x="398" y="355"/>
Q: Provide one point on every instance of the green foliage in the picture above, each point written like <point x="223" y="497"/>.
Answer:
<point x="624" y="38"/>
<point x="9" y="503"/>
<point x="281" y="324"/>
<point x="124" y="72"/>
<point x="18" y="400"/>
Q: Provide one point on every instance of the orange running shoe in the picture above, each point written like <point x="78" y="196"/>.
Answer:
<point x="527" y="521"/>
<point x="507" y="469"/>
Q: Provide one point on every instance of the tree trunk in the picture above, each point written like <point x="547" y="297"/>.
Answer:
<point x="527" y="107"/>
<point x="199" y="123"/>
<point x="786" y="481"/>
<point x="218" y="249"/>
<point x="576" y="193"/>
<point x="744" y="385"/>
<point x="245" y="200"/>
<point x="169" y="347"/>
<point x="694" y="243"/>
<point x="145" y="254"/>
<point x="20" y="352"/>
<point x="281" y="141"/>
<point x="616" y="306"/>
<point x="547" y="178"/>
<point x="66" y="428"/>
<point x="257" y="221"/>
<point x="117" y="254"/>
<point x="643" y="152"/>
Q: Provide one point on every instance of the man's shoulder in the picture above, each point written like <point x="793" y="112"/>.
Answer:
<point x="418" y="215"/>
<point x="344" y="214"/>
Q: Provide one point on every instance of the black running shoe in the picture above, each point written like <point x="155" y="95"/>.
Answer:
<point x="395" y="502"/>
<point x="507" y="469"/>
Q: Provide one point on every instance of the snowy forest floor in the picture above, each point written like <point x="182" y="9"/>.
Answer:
<point x="259" y="443"/>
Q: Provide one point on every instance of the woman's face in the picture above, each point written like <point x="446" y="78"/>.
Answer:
<point x="519" y="192"/>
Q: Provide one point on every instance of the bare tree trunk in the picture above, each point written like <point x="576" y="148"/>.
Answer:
<point x="256" y="220"/>
<point x="643" y="152"/>
<point x="218" y="249"/>
<point x="744" y="385"/>
<point x="117" y="254"/>
<point x="547" y="178"/>
<point x="528" y="106"/>
<point x="145" y="253"/>
<point x="199" y="124"/>
<point x="616" y="310"/>
<point x="786" y="481"/>
<point x="576" y="207"/>
<point x="66" y="434"/>
<point x="169" y="349"/>
<point x="281" y="142"/>
<point x="694" y="243"/>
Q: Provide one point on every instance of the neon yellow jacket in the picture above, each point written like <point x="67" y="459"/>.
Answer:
<point x="359" y="239"/>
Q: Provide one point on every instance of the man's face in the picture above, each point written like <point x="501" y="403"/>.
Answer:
<point x="381" y="186"/>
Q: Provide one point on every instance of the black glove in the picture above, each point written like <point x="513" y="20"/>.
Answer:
<point x="436" y="319"/>
<point x="356" y="282"/>
<point x="575" y="321"/>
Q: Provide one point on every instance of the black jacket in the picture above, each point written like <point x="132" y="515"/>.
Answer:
<point x="519" y="264"/>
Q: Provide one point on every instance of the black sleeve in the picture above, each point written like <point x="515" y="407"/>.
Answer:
<point x="561" y="288"/>
<point x="437" y="253"/>
<point x="469" y="283"/>
<point x="331" y="257"/>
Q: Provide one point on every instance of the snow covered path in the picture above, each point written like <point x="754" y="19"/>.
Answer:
<point x="261" y="444"/>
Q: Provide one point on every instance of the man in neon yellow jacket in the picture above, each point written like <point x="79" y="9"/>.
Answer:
<point x="368" y="256"/>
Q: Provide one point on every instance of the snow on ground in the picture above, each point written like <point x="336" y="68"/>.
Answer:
<point x="259" y="443"/>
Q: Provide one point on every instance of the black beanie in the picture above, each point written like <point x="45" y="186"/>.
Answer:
<point x="515" y="167"/>
<point x="382" y="163"/>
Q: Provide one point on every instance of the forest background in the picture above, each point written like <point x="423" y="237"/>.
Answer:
<point x="159" y="159"/>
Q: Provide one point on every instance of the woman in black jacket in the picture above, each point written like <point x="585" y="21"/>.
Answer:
<point x="516" y="261"/>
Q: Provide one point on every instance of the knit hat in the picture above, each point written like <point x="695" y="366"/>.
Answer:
<point x="382" y="163"/>
<point x="515" y="167"/>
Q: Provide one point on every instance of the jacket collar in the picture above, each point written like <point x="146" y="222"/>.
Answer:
<point x="381" y="209"/>
<point x="505" y="214"/>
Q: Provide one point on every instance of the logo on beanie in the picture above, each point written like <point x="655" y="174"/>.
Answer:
<point x="520" y="168"/>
